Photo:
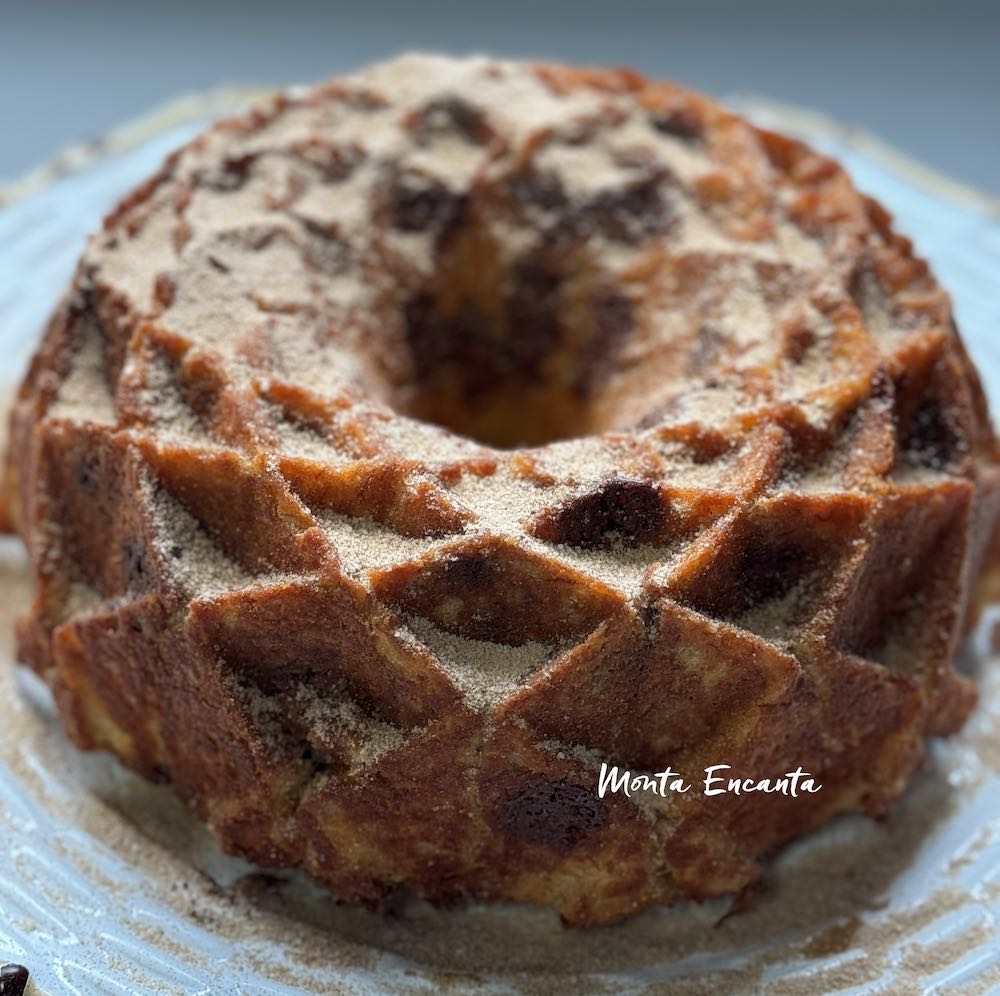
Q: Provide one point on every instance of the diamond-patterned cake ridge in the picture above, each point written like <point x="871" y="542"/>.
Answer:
<point x="245" y="505"/>
<point x="341" y="735"/>
<point x="904" y="600"/>
<point x="854" y="455"/>
<point x="935" y="410"/>
<point x="489" y="588"/>
<point x="436" y="841"/>
<point x="643" y="692"/>
<point x="180" y="392"/>
<point x="409" y="446"/>
<point x="768" y="567"/>
<point x="599" y="856"/>
<point x="199" y="736"/>
<point x="342" y="638"/>
<point x="97" y="514"/>
<point x="855" y="727"/>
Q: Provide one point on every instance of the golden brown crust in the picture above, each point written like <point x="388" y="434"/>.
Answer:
<point x="394" y="653"/>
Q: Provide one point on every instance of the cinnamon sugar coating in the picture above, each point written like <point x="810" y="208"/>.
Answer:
<point x="406" y="448"/>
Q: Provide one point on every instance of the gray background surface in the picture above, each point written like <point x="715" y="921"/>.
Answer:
<point x="925" y="76"/>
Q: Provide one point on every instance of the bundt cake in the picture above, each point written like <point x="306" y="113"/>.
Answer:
<point x="409" y="448"/>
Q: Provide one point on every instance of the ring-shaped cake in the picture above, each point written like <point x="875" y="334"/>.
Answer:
<point x="412" y="446"/>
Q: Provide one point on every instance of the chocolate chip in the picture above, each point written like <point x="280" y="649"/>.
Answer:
<point x="614" y="316"/>
<point x="462" y="339"/>
<point x="543" y="190"/>
<point x="614" y="319"/>
<point x="682" y="122"/>
<point x="630" y="213"/>
<point x="430" y="336"/>
<point x="620" y="509"/>
<point x="768" y="569"/>
<point x="532" y="312"/>
<point x="325" y="250"/>
<point x="83" y="300"/>
<point x="364" y="100"/>
<point x="468" y="573"/>
<point x="334" y="162"/>
<point x="557" y="813"/>
<point x="423" y="334"/>
<point x="931" y="439"/>
<point x="13" y="979"/>
<point x="253" y="237"/>
<point x="799" y="339"/>
<point x="419" y="203"/>
<point x="133" y="561"/>
<point x="165" y="289"/>
<point x="318" y="760"/>
<point x="233" y="173"/>
<point x="87" y="467"/>
<point x="487" y="349"/>
<point x="451" y="115"/>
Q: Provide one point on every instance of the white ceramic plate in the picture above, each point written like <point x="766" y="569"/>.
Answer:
<point x="107" y="886"/>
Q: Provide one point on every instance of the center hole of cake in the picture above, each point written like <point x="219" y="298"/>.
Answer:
<point x="512" y="356"/>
